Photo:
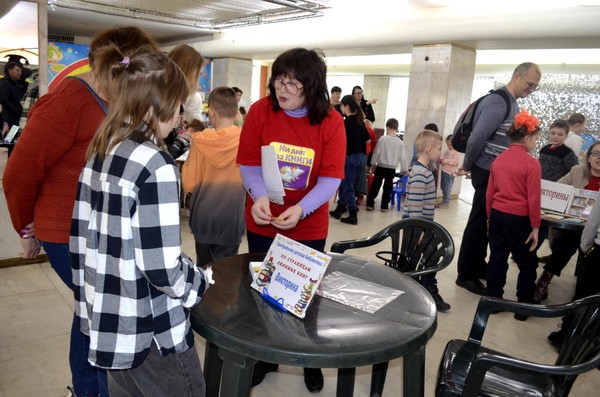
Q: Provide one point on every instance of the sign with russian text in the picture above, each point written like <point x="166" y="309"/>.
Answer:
<point x="290" y="274"/>
<point x="556" y="196"/>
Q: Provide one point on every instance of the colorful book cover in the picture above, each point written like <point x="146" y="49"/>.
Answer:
<point x="290" y="274"/>
<point x="582" y="202"/>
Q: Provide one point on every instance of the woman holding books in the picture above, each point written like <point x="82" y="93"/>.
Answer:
<point x="308" y="136"/>
<point x="565" y="242"/>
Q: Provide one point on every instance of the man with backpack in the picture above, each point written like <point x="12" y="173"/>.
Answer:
<point x="492" y="118"/>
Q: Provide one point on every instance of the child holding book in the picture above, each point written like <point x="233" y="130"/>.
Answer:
<point x="449" y="162"/>
<point x="211" y="174"/>
<point x="513" y="199"/>
<point x="420" y="196"/>
<point x="133" y="285"/>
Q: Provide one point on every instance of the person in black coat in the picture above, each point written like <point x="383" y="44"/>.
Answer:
<point x="11" y="93"/>
<point x="365" y="105"/>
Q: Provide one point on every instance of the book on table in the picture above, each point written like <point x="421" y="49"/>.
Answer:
<point x="567" y="200"/>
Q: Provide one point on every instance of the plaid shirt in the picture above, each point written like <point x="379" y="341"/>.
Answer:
<point x="133" y="285"/>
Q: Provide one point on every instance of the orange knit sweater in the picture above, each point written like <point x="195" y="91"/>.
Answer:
<point x="40" y="180"/>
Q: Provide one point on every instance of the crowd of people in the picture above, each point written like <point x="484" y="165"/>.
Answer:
<point x="103" y="200"/>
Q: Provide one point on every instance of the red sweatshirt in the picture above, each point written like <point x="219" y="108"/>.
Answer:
<point x="514" y="186"/>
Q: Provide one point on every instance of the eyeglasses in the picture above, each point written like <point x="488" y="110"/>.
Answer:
<point x="358" y="92"/>
<point x="531" y="86"/>
<point x="291" y="87"/>
<point x="595" y="153"/>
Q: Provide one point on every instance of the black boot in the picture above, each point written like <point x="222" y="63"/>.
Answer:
<point x="339" y="210"/>
<point x="351" y="219"/>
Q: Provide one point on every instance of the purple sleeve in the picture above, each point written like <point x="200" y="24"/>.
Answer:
<point x="319" y="195"/>
<point x="252" y="179"/>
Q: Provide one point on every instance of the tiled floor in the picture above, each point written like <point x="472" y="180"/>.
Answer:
<point x="35" y="318"/>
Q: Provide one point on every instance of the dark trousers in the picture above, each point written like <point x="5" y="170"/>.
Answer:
<point x="260" y="243"/>
<point x="208" y="253"/>
<point x="473" y="248"/>
<point x="385" y="175"/>
<point x="590" y="274"/>
<point x="564" y="245"/>
<point x="172" y="375"/>
<point x="508" y="234"/>
<point x="589" y="285"/>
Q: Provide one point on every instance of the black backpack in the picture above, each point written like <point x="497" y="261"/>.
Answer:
<point x="464" y="125"/>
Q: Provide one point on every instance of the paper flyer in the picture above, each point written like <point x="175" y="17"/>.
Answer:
<point x="290" y="275"/>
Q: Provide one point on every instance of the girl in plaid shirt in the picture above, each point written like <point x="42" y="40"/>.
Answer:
<point x="133" y="285"/>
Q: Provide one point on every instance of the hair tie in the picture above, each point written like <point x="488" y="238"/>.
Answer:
<point x="529" y="121"/>
<point x="125" y="62"/>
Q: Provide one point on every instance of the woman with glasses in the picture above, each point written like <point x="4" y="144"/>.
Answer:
<point x="366" y="106"/>
<point x="566" y="242"/>
<point x="309" y="140"/>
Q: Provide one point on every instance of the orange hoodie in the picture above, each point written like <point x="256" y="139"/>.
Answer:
<point x="211" y="174"/>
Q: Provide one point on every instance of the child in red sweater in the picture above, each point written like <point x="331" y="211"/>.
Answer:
<point x="513" y="207"/>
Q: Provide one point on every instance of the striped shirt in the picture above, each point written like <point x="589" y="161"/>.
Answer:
<point x="420" y="193"/>
<point x="133" y="285"/>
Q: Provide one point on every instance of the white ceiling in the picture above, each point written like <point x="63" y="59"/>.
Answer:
<point x="366" y="28"/>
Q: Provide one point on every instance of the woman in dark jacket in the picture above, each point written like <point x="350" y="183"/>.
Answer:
<point x="365" y="105"/>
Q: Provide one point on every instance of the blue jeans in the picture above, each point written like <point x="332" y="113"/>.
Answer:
<point x="354" y="164"/>
<point x="87" y="379"/>
<point x="446" y="185"/>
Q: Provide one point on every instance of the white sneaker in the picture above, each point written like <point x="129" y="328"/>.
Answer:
<point x="70" y="392"/>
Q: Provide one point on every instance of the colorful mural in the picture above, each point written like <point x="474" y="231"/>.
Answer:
<point x="65" y="60"/>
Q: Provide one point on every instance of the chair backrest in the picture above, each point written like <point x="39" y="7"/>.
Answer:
<point x="582" y="338"/>
<point x="417" y="246"/>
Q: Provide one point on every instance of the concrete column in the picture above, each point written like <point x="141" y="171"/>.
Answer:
<point x="377" y="87"/>
<point x="42" y="18"/>
<point x="441" y="82"/>
<point x="233" y="72"/>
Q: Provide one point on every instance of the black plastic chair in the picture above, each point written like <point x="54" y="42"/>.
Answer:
<point x="418" y="247"/>
<point x="467" y="369"/>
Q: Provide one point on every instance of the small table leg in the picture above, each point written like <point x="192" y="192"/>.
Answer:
<point x="212" y="370"/>
<point x="413" y="368"/>
<point x="345" y="382"/>
<point x="237" y="374"/>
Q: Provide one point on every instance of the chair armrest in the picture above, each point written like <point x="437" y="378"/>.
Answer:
<point x="484" y="361"/>
<point x="341" y="246"/>
<point x="489" y="304"/>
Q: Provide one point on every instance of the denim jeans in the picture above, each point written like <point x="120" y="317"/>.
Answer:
<point x="176" y="374"/>
<point x="354" y="164"/>
<point x="446" y="185"/>
<point x="87" y="379"/>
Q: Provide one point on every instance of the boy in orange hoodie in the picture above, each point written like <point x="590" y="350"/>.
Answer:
<point x="211" y="174"/>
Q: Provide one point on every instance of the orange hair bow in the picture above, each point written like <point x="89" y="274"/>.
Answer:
<point x="529" y="121"/>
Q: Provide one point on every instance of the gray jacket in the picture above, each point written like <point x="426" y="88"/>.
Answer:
<point x="488" y="138"/>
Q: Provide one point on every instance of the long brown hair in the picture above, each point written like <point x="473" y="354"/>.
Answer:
<point x="128" y="39"/>
<point x="348" y="100"/>
<point x="190" y="61"/>
<point x="149" y="88"/>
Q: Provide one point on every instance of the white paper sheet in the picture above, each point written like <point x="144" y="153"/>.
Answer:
<point x="271" y="175"/>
